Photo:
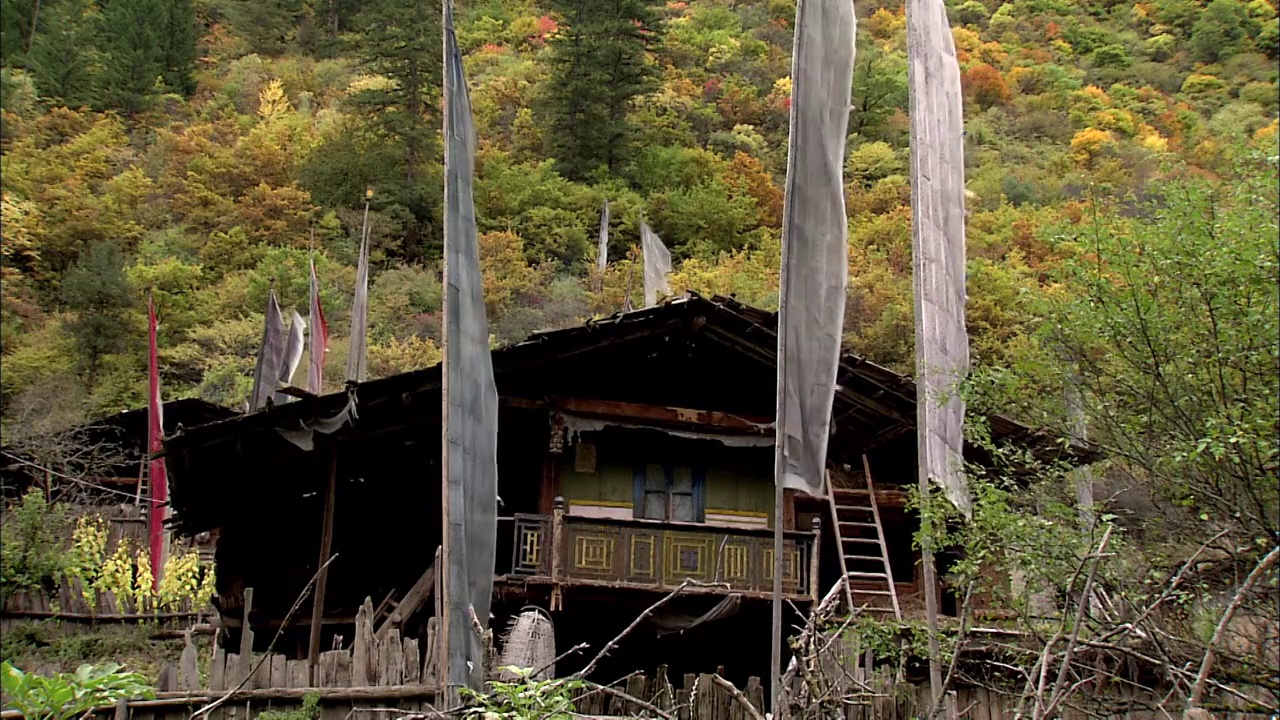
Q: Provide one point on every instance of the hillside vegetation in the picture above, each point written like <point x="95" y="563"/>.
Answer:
<point x="1122" y="242"/>
<point x="200" y="149"/>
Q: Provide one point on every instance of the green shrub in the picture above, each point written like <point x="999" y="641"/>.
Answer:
<point x="69" y="695"/>
<point x="32" y="542"/>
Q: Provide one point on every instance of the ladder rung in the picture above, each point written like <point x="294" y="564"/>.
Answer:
<point x="864" y="541"/>
<point x="856" y="524"/>
<point x="853" y="574"/>
<point x="856" y="591"/>
<point x="853" y="508"/>
<point x="874" y="608"/>
<point x="863" y="558"/>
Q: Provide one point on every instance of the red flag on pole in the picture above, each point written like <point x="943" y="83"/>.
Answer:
<point x="159" y="479"/>
<point x="319" y="338"/>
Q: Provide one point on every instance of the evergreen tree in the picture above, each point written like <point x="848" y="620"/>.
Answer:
<point x="599" y="65"/>
<point x="99" y="294"/>
<point x="63" y="57"/>
<point x="1220" y="30"/>
<point x="133" y="64"/>
<point x="400" y="40"/>
<point x="178" y="37"/>
<point x="15" y="30"/>
<point x="269" y="26"/>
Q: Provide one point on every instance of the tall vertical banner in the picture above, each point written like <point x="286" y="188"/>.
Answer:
<point x="657" y="264"/>
<point x="318" y="338"/>
<point x="814" y="274"/>
<point x="602" y="256"/>
<point x="158" y="478"/>
<point x="270" y="354"/>
<point x="937" y="246"/>
<point x="295" y="342"/>
<point x="815" y="238"/>
<point x="470" y="488"/>
<point x="357" y="354"/>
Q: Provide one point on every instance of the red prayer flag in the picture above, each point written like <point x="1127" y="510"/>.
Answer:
<point x="159" y="479"/>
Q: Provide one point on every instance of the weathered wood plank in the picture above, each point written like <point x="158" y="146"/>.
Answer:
<point x="663" y="694"/>
<point x="279" y="670"/>
<point x="682" y="709"/>
<point x="342" y="669"/>
<point x="296" y="674"/>
<point x="392" y="663"/>
<point x="217" y="667"/>
<point x="260" y="666"/>
<point x="167" y="681"/>
<point x="431" y="665"/>
<point x="755" y="693"/>
<point x="636" y="688"/>
<point x="246" y="641"/>
<point x="364" y="657"/>
<point x="188" y="674"/>
<point x="412" y="664"/>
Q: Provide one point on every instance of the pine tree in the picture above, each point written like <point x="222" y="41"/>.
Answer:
<point x="178" y="36"/>
<point x="400" y="40"/>
<point x="133" y="64"/>
<point x="15" y="30"/>
<point x="98" y="292"/>
<point x="599" y="66"/>
<point x="63" y="57"/>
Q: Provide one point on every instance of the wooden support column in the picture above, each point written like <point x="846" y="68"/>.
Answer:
<point x="557" y="551"/>
<point x="322" y="581"/>
<point x="550" y="488"/>
<point x="789" y="510"/>
<point x="815" y="557"/>
<point x="246" y="640"/>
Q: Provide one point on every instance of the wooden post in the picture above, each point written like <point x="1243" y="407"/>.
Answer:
<point x="815" y="556"/>
<point x="557" y="550"/>
<point x="930" y="592"/>
<point x="322" y="581"/>
<point x="246" y="640"/>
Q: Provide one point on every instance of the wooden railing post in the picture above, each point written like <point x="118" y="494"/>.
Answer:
<point x="815" y="557"/>
<point x="557" y="549"/>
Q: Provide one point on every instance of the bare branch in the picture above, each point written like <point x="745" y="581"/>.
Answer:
<point x="1197" y="691"/>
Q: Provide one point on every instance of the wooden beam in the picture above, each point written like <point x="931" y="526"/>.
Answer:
<point x="326" y="546"/>
<point x="769" y="358"/>
<point x="296" y="392"/>
<point x="413" y="599"/>
<point x="664" y="415"/>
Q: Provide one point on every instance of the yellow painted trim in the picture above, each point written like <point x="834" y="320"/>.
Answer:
<point x="738" y="513"/>
<point x="600" y="503"/>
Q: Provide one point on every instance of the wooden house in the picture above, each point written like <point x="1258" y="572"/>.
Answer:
<point x="635" y="454"/>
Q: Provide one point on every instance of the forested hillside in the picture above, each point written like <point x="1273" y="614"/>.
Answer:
<point x="199" y="149"/>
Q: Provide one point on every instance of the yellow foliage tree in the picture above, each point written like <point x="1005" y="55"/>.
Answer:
<point x="1088" y="144"/>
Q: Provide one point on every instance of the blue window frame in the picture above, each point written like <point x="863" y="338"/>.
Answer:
<point x="670" y="492"/>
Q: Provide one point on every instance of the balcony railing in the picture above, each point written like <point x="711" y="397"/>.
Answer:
<point x="644" y="554"/>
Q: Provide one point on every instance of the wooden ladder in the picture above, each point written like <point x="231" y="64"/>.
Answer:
<point x="864" y="557"/>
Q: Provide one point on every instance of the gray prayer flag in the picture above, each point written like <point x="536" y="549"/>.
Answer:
<point x="602" y="256"/>
<point x="937" y="244"/>
<point x="471" y="398"/>
<point x="657" y="264"/>
<point x="357" y="367"/>
<point x="292" y="354"/>
<point x="814" y="239"/>
<point x="270" y="355"/>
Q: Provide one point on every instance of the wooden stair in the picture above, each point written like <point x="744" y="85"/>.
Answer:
<point x="864" y="557"/>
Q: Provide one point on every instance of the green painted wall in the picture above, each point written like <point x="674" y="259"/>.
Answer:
<point x="737" y="479"/>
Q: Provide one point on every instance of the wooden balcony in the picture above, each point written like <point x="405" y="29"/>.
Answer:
<point x="657" y="555"/>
